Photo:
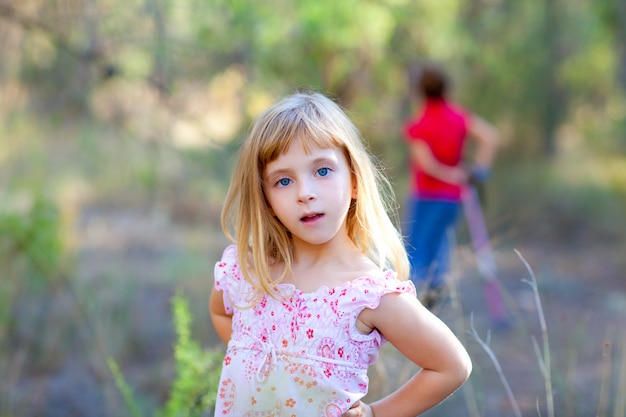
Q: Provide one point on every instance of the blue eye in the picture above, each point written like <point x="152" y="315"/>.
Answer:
<point x="283" y="182"/>
<point x="322" y="172"/>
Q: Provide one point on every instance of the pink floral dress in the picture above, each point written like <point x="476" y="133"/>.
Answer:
<point x="301" y="357"/>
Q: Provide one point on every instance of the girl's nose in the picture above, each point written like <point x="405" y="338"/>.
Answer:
<point x="306" y="192"/>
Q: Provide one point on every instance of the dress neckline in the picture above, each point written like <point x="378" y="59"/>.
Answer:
<point x="325" y="289"/>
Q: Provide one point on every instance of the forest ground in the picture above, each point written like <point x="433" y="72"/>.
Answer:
<point x="129" y="262"/>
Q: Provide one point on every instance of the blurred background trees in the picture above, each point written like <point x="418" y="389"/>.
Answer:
<point x="536" y="66"/>
<point x="188" y="75"/>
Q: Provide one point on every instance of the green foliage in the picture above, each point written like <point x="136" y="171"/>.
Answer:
<point x="30" y="241"/>
<point x="572" y="198"/>
<point x="356" y="51"/>
<point x="30" y="254"/>
<point x="197" y="370"/>
<point x="125" y="389"/>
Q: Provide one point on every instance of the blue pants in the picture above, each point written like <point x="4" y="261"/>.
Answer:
<point x="426" y="227"/>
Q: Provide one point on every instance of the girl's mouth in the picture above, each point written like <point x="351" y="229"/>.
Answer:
<point x="311" y="218"/>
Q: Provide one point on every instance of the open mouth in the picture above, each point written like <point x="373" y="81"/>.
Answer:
<point x="311" y="217"/>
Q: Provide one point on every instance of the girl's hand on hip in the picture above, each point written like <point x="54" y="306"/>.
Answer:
<point x="359" y="409"/>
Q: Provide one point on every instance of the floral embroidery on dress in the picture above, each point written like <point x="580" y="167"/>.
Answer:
<point x="287" y="358"/>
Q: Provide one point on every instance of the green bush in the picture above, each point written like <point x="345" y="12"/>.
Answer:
<point x="197" y="372"/>
<point x="30" y="241"/>
<point x="30" y="252"/>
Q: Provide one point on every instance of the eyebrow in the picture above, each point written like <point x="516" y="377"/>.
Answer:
<point x="316" y="161"/>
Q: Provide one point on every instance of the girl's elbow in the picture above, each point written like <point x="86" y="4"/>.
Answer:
<point x="459" y="368"/>
<point x="464" y="368"/>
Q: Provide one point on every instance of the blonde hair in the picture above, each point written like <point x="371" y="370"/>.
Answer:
<point x="247" y="219"/>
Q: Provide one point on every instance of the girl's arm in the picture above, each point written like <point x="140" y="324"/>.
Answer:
<point x="222" y="321"/>
<point x="429" y="343"/>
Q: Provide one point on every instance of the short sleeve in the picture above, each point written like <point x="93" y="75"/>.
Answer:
<point x="228" y="276"/>
<point x="412" y="130"/>
<point x="366" y="292"/>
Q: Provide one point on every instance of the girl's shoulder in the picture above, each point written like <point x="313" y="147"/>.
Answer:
<point x="227" y="270"/>
<point x="371" y="286"/>
<point x="230" y="256"/>
<point x="367" y="293"/>
<point x="366" y="273"/>
<point x="382" y="280"/>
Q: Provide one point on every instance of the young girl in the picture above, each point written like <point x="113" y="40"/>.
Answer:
<point x="308" y="294"/>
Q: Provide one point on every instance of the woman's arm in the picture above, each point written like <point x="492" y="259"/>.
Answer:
<point x="222" y="321"/>
<point x="486" y="136"/>
<point x="426" y="341"/>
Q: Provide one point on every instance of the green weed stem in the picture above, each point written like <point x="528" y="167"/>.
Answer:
<point x="125" y="389"/>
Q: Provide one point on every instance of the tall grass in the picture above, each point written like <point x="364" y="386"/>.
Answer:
<point x="484" y="344"/>
<point x="557" y="390"/>
<point x="543" y="357"/>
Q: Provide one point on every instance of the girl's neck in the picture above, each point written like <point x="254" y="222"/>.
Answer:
<point x="309" y="254"/>
<point x="339" y="247"/>
<point x="329" y="265"/>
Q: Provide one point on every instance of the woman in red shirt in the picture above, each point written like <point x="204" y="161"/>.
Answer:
<point x="436" y="137"/>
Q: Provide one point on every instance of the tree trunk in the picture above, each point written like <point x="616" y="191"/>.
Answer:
<point x="621" y="44"/>
<point x="553" y="103"/>
<point x="161" y="76"/>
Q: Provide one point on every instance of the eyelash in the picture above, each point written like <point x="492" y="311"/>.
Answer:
<point x="328" y="170"/>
